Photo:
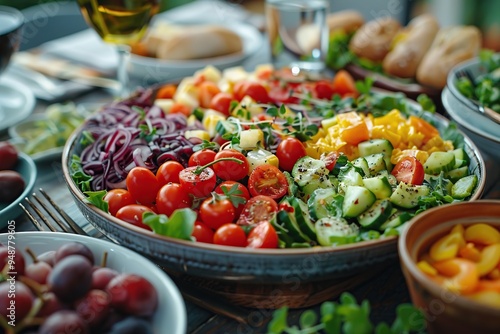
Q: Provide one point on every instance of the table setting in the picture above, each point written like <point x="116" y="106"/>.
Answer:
<point x="247" y="171"/>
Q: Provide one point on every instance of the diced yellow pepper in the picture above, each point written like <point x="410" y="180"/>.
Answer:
<point x="490" y="257"/>
<point x="446" y="247"/>
<point x="427" y="268"/>
<point x="470" y="252"/>
<point x="482" y="233"/>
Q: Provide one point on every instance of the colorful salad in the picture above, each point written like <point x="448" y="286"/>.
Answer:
<point x="268" y="160"/>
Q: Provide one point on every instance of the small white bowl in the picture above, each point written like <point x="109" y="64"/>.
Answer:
<point x="170" y="317"/>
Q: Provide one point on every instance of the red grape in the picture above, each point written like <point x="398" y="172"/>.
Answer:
<point x="16" y="300"/>
<point x="94" y="307"/>
<point x="51" y="305"/>
<point x="64" y="322"/>
<point x="71" y="278"/>
<point x="48" y="257"/>
<point x="132" y="325"/>
<point x="101" y="277"/>
<point x="74" y="248"/>
<point x="133" y="294"/>
<point x="13" y="259"/>
<point x="38" y="271"/>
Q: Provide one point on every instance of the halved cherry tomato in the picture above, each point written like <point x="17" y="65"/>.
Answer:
<point x="201" y="157"/>
<point x="344" y="84"/>
<point x="222" y="103"/>
<point x="197" y="181"/>
<point x="206" y="92"/>
<point x="253" y="89"/>
<point x="166" y="91"/>
<point x="180" y="108"/>
<point x="216" y="211"/>
<point x="258" y="209"/>
<point x="409" y="170"/>
<point x="330" y="160"/>
<point x="117" y="199"/>
<point x="202" y="233"/>
<point x="268" y="180"/>
<point x="290" y="150"/>
<point x="324" y="90"/>
<point x="263" y="236"/>
<point x="132" y="214"/>
<point x="142" y="185"/>
<point x="230" y="170"/>
<point x="171" y="197"/>
<point x="280" y="93"/>
<point x="230" y="235"/>
<point x="226" y="188"/>
<point x="169" y="172"/>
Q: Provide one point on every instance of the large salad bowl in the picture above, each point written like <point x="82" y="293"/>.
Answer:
<point x="269" y="271"/>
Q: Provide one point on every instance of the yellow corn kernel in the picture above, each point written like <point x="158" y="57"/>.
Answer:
<point x="446" y="247"/>
<point x="482" y="233"/>
<point x="427" y="268"/>
<point x="470" y="252"/>
<point x="490" y="257"/>
<point x="491" y="298"/>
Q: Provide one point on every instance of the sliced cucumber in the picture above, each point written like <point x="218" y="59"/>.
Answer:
<point x="376" y="163"/>
<point x="335" y="231"/>
<point x="376" y="214"/>
<point x="356" y="200"/>
<point x="379" y="185"/>
<point x="319" y="203"/>
<point x="463" y="188"/>
<point x="375" y="146"/>
<point x="289" y="222"/>
<point x="406" y="196"/>
<point x="361" y="163"/>
<point x="461" y="158"/>
<point x="308" y="170"/>
<point x="439" y="162"/>
<point x="349" y="177"/>
<point x="456" y="174"/>
<point x="395" y="220"/>
<point x="302" y="217"/>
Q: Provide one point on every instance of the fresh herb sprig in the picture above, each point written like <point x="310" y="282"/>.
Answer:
<point x="347" y="317"/>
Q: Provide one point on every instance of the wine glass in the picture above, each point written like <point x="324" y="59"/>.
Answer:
<point x="121" y="23"/>
<point x="11" y="24"/>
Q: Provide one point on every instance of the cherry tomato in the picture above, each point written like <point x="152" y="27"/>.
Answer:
<point x="230" y="235"/>
<point x="216" y="211"/>
<point x="118" y="198"/>
<point x="230" y="170"/>
<point x="259" y="208"/>
<point x="171" y="197"/>
<point x="253" y="89"/>
<point x="166" y="91"/>
<point x="241" y="191"/>
<point x="289" y="151"/>
<point x="180" y="108"/>
<point x="142" y="185"/>
<point x="201" y="157"/>
<point x="263" y="236"/>
<point x="199" y="184"/>
<point x="222" y="103"/>
<point x="169" y="172"/>
<point x="279" y="93"/>
<point x="409" y="170"/>
<point x="344" y="84"/>
<point x="203" y="233"/>
<point x="268" y="180"/>
<point x="330" y="160"/>
<point x="132" y="214"/>
<point x="324" y="90"/>
<point x="206" y="92"/>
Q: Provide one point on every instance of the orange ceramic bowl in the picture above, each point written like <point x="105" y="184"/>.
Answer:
<point x="446" y="312"/>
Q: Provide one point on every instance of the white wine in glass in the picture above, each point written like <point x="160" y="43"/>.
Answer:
<point x="122" y="23"/>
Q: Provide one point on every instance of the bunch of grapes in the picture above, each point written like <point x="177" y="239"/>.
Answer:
<point x="65" y="291"/>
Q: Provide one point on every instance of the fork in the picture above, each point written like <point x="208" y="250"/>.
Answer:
<point x="54" y="219"/>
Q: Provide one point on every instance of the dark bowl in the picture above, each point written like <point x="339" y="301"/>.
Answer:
<point x="11" y="24"/>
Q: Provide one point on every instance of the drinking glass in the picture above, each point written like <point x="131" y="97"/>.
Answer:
<point x="298" y="34"/>
<point x="11" y="26"/>
<point x="121" y="23"/>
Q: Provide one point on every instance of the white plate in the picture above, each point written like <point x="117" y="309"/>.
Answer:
<point x="170" y="317"/>
<point x="148" y="70"/>
<point x="16" y="101"/>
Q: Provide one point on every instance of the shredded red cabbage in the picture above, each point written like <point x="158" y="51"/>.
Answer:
<point x="129" y="133"/>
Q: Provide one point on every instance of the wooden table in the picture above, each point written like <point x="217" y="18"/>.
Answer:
<point x="385" y="291"/>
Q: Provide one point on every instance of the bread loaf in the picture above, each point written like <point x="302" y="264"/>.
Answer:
<point x="172" y="42"/>
<point x="451" y="46"/>
<point x="347" y="21"/>
<point x="410" y="46"/>
<point x="373" y="40"/>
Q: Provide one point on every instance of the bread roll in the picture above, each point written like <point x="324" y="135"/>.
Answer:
<point x="411" y="45"/>
<point x="451" y="46"/>
<point x="347" y="21"/>
<point x="373" y="40"/>
<point x="192" y="42"/>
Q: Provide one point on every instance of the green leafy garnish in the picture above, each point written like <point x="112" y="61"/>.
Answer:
<point x="233" y="194"/>
<point x="96" y="198"/>
<point x="347" y="317"/>
<point x="81" y="179"/>
<point x="179" y="225"/>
